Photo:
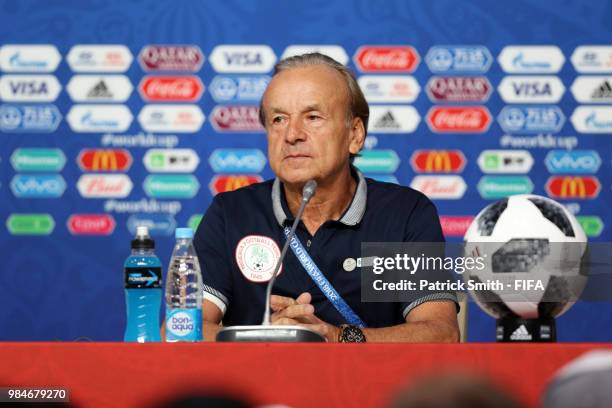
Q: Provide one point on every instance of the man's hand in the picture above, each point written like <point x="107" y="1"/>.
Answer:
<point x="289" y="311"/>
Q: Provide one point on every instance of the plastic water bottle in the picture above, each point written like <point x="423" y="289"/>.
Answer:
<point x="143" y="289"/>
<point x="184" y="291"/>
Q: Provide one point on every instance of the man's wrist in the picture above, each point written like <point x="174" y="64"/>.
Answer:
<point x="350" y="334"/>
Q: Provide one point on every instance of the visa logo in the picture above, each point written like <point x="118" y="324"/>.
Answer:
<point x="38" y="186"/>
<point x="532" y="89"/>
<point x="575" y="162"/>
<point x="28" y="88"/>
<point x="243" y="58"/>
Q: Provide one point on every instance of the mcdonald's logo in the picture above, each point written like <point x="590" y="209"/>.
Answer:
<point x="438" y="161"/>
<point x="574" y="187"/>
<point x="221" y="184"/>
<point x="99" y="160"/>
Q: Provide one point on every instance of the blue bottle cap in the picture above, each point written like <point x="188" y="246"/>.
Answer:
<point x="182" y="233"/>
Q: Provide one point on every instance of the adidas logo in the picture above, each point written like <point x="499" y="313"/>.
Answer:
<point x="387" y="121"/>
<point x="604" y="91"/>
<point x="521" y="334"/>
<point x="100" y="91"/>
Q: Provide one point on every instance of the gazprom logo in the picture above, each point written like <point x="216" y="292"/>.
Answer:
<point x="29" y="58"/>
<point x="38" y="186"/>
<point x="237" y="160"/>
<point x="29" y="118"/>
<point x="531" y="119"/>
<point x="573" y="161"/>
<point x="238" y="88"/>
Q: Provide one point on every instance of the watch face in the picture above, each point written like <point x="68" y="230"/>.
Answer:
<point x="352" y="334"/>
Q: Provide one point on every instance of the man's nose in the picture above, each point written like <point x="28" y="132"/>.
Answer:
<point x="294" y="132"/>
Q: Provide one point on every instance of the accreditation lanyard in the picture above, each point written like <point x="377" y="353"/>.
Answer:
<point x="322" y="282"/>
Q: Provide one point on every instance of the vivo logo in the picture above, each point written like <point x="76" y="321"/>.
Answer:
<point x="237" y="161"/>
<point x="38" y="186"/>
<point x="573" y="161"/>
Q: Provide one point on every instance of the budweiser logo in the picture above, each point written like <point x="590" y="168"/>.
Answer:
<point x="102" y="186"/>
<point x="440" y="187"/>
<point x="386" y="59"/>
<point x="171" y="88"/>
<point x="465" y="119"/>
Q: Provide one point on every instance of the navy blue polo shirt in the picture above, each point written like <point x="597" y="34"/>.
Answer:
<point x="240" y="237"/>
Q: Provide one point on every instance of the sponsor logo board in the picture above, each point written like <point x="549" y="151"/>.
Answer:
<point x="531" y="119"/>
<point x="389" y="88"/>
<point x="171" y="118"/>
<point x="223" y="183"/>
<point x="99" y="88"/>
<point x="505" y="161"/>
<point x="29" y="88"/>
<point x="238" y="88"/>
<point x="237" y="160"/>
<point x="459" y="58"/>
<point x="242" y="59"/>
<point x="171" y="58"/>
<point x="531" y="89"/>
<point x="99" y="58"/>
<point x="35" y="118"/>
<point x="495" y="187"/>
<point x="531" y="59"/>
<point x="38" y="159"/>
<point x="440" y="187"/>
<point x="104" y="185"/>
<point x="171" y="88"/>
<point x="171" y="160"/>
<point x="573" y="161"/>
<point x="29" y="58"/>
<point x="96" y="160"/>
<point x="99" y="118"/>
<point x="393" y="119"/>
<point x="393" y="58"/>
<point x="438" y="161"/>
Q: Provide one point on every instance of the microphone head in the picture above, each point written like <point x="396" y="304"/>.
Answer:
<point x="309" y="189"/>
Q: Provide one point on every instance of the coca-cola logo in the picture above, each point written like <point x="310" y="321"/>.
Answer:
<point x="459" y="119"/>
<point x="171" y="58"/>
<point x="171" y="88"/>
<point x="386" y="59"/>
<point x="236" y="118"/>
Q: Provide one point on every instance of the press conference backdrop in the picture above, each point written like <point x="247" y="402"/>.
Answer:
<point x="116" y="113"/>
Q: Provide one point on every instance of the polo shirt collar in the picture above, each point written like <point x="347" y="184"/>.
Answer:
<point x="351" y="217"/>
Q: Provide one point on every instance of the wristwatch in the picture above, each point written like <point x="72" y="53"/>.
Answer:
<point x="350" y="334"/>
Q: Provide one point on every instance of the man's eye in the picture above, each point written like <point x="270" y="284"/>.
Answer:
<point x="313" y="117"/>
<point x="277" y="119"/>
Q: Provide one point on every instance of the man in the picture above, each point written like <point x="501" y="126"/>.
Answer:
<point x="315" y="117"/>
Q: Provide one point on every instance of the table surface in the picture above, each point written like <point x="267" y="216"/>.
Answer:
<point x="297" y="375"/>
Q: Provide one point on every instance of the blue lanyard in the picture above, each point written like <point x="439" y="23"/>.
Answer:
<point x="326" y="287"/>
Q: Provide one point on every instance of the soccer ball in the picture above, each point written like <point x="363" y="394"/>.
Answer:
<point x="534" y="248"/>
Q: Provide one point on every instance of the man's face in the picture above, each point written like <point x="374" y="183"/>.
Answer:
<point x="306" y="121"/>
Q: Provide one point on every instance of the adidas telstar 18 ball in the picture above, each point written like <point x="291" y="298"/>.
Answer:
<point x="534" y="248"/>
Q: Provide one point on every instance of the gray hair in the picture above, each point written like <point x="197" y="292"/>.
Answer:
<point x="358" y="106"/>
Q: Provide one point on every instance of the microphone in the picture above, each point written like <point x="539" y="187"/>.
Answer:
<point x="266" y="332"/>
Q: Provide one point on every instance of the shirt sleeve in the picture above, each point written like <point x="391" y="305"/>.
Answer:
<point x="424" y="226"/>
<point x="210" y="242"/>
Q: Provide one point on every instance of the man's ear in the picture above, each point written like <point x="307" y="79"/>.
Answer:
<point x="356" y="136"/>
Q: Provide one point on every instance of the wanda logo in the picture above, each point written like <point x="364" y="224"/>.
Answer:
<point x="459" y="119"/>
<point x="387" y="59"/>
<point x="171" y="88"/>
